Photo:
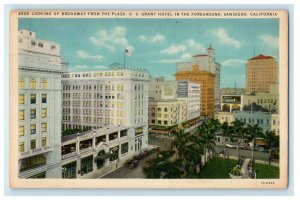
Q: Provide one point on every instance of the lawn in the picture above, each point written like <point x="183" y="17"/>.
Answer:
<point x="217" y="168"/>
<point x="266" y="171"/>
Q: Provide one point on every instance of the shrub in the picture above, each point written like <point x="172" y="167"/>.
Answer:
<point x="236" y="171"/>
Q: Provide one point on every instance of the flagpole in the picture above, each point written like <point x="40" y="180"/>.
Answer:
<point x="124" y="57"/>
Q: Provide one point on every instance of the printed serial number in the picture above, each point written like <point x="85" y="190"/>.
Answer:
<point x="267" y="182"/>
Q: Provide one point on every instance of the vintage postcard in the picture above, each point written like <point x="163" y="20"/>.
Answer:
<point x="148" y="99"/>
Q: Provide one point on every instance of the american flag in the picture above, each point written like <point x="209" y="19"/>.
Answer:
<point x="128" y="52"/>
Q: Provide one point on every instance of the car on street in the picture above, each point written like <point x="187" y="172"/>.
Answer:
<point x="133" y="164"/>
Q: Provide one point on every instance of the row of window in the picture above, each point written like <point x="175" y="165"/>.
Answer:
<point x="39" y="44"/>
<point x="99" y="87"/>
<point x="33" y="98"/>
<point x="95" y="104"/>
<point x="32" y="114"/>
<point x="32" y="129"/>
<point x="32" y="144"/>
<point x="32" y="84"/>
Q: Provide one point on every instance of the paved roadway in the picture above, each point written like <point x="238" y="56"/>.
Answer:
<point x="125" y="172"/>
<point x="264" y="156"/>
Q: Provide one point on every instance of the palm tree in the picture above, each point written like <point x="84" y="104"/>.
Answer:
<point x="273" y="142"/>
<point x="238" y="128"/>
<point x="225" y="132"/>
<point x="254" y="131"/>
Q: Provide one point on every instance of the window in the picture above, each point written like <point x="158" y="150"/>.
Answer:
<point x="33" y="43"/>
<point x="33" y="84"/>
<point x="21" y="115"/>
<point x="44" y="112"/>
<point x="44" y="141"/>
<point x="21" y="98"/>
<point x="44" y="127"/>
<point x="124" y="148"/>
<point x="166" y="109"/>
<point x="40" y="44"/>
<point x="32" y="129"/>
<point x="33" y="144"/>
<point x="21" y="83"/>
<point x="21" y="130"/>
<point x="32" y="113"/>
<point x="33" y="98"/>
<point x="21" y="147"/>
<point x="44" y="98"/>
<point x="44" y="84"/>
<point x="53" y="47"/>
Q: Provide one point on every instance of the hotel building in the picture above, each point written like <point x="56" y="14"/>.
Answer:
<point x="207" y="87"/>
<point x="113" y="106"/>
<point x="261" y="72"/>
<point x="206" y="63"/>
<point x="40" y="68"/>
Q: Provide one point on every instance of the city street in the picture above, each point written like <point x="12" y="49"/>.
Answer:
<point x="125" y="172"/>
<point x="264" y="156"/>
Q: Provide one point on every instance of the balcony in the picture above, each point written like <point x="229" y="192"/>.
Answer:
<point x="68" y="155"/>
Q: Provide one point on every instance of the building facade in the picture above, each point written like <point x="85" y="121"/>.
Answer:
<point x="96" y="152"/>
<point x="266" y="120"/>
<point x="261" y="72"/>
<point x="205" y="62"/>
<point x="207" y="87"/>
<point x="155" y="87"/>
<point x="190" y="92"/>
<point x="102" y="99"/>
<point x="167" y="112"/>
<point x="268" y="100"/>
<point x="40" y="68"/>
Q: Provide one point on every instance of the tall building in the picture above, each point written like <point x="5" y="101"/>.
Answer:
<point x="110" y="108"/>
<point x="40" y="68"/>
<point x="261" y="72"/>
<point x="207" y="87"/>
<point x="205" y="62"/>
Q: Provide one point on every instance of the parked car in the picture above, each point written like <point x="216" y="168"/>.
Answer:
<point x="133" y="164"/>
<point x="260" y="148"/>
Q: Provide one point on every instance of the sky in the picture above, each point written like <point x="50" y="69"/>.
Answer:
<point x="157" y="44"/>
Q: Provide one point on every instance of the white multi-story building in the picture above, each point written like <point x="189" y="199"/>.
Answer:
<point x="99" y="99"/>
<point x="266" y="120"/>
<point x="190" y="92"/>
<point x="155" y="87"/>
<point x="40" y="68"/>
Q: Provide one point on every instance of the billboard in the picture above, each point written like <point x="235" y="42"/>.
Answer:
<point x="182" y="89"/>
<point x="235" y="99"/>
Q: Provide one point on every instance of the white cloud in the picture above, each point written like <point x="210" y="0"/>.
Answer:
<point x="174" y="49"/>
<point x="86" y="68"/>
<point x="270" y="40"/>
<point x="155" y="38"/>
<point x="194" y="45"/>
<point x="190" y="46"/>
<point x="225" y="38"/>
<point x="85" y="55"/>
<point x="116" y="38"/>
<point x="233" y="62"/>
<point x="186" y="56"/>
